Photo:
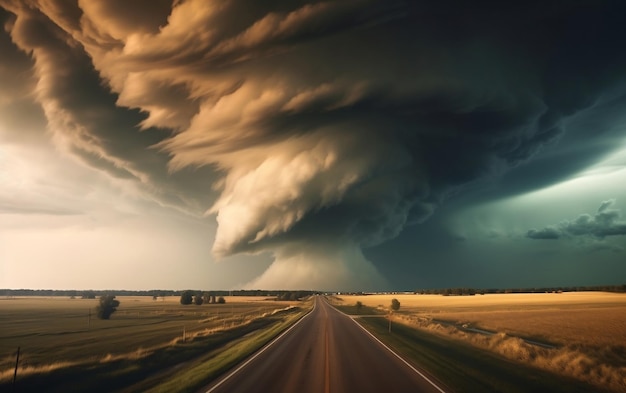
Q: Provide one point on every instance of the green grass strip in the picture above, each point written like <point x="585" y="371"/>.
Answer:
<point x="465" y="368"/>
<point x="203" y="372"/>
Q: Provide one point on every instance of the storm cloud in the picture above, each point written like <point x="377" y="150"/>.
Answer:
<point x="605" y="222"/>
<point x="333" y="124"/>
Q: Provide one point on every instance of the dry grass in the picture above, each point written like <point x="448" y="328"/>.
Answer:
<point x="55" y="332"/>
<point x="7" y="374"/>
<point x="589" y="328"/>
<point x="586" y="318"/>
<point x="594" y="327"/>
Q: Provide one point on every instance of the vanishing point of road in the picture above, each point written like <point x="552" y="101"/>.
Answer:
<point x="325" y="352"/>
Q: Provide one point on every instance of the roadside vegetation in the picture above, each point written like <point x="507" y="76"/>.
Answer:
<point x="147" y="341"/>
<point x="461" y="367"/>
<point x="575" y="338"/>
<point x="206" y="368"/>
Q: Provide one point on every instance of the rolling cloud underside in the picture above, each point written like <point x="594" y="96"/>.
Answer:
<point x="604" y="223"/>
<point x="329" y="123"/>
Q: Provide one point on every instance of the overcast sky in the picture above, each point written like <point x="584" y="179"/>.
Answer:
<point x="341" y="145"/>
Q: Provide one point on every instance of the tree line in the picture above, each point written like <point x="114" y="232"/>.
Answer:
<point x="474" y="291"/>
<point x="199" y="298"/>
<point x="93" y="294"/>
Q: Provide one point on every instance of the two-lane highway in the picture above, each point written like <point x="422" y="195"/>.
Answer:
<point x="325" y="352"/>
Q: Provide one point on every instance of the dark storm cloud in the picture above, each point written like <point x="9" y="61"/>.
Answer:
<point x="82" y="115"/>
<point x="439" y="106"/>
<point x="16" y="84"/>
<point x="604" y="223"/>
<point x="545" y="233"/>
<point x="338" y="121"/>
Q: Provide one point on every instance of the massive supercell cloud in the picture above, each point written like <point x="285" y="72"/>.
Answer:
<point x="330" y="126"/>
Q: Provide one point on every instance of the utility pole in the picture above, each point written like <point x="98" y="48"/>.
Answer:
<point x="390" y="321"/>
<point x="17" y="362"/>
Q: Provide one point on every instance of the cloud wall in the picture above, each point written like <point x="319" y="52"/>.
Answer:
<point x="334" y="124"/>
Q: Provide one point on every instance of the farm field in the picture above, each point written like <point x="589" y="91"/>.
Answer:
<point x="585" y="332"/>
<point x="59" y="332"/>
<point x="586" y="318"/>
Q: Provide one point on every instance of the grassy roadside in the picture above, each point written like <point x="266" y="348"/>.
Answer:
<point x="53" y="332"/>
<point x="207" y="368"/>
<point x="462" y="367"/>
<point x="216" y="352"/>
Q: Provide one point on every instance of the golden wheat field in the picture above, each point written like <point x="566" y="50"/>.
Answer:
<point x="585" y="331"/>
<point x="589" y="318"/>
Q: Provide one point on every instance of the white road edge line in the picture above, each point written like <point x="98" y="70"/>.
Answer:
<point x="227" y="377"/>
<point x="398" y="356"/>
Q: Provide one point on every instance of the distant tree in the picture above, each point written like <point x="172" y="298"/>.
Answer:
<point x="358" y="306"/>
<point x="221" y="300"/>
<point x="107" y="306"/>
<point x="186" y="297"/>
<point x="395" y="304"/>
<point x="89" y="295"/>
<point x="198" y="300"/>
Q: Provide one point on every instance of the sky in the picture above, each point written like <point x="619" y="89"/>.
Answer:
<point x="352" y="145"/>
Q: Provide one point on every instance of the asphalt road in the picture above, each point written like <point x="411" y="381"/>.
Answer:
<point x="325" y="352"/>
